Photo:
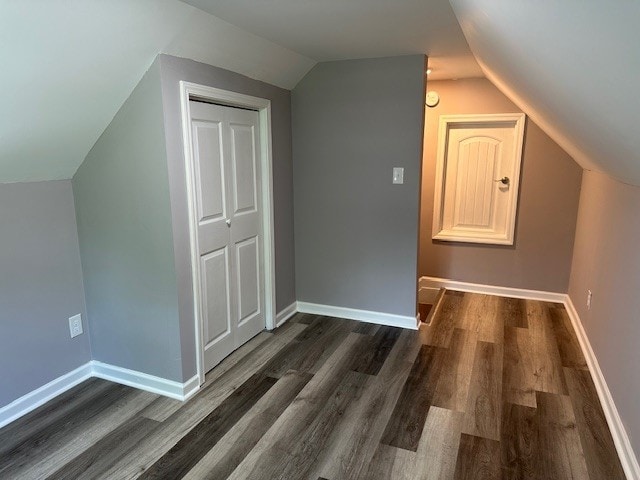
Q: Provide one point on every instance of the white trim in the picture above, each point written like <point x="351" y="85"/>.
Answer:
<point x="93" y="368"/>
<point x="477" y="235"/>
<point x="433" y="282"/>
<point x="286" y="313"/>
<point x="620" y="438"/>
<point x="191" y="90"/>
<point x="380" y="318"/>
<point x="42" y="395"/>
<point x="144" y="381"/>
<point x="428" y="294"/>
<point x="190" y="387"/>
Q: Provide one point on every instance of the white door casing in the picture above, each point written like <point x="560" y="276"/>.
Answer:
<point x="477" y="178"/>
<point x="231" y="227"/>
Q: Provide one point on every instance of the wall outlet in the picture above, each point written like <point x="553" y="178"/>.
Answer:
<point x="75" y="325"/>
<point x="589" y="295"/>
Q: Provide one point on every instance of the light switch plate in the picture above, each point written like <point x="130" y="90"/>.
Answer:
<point x="398" y="175"/>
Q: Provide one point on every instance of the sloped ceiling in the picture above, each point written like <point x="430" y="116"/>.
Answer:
<point x="68" y="65"/>
<point x="573" y="66"/>
<point x="347" y="29"/>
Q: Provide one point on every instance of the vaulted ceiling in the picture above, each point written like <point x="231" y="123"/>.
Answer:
<point x="573" y="66"/>
<point x="68" y="65"/>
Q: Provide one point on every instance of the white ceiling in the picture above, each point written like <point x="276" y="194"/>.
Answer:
<point x="345" y="29"/>
<point x="573" y="66"/>
<point x="68" y="65"/>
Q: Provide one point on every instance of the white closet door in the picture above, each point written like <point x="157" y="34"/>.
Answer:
<point x="477" y="178"/>
<point x="226" y="171"/>
<point x="246" y="224"/>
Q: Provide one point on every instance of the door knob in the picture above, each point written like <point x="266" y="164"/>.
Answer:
<point x="503" y="180"/>
<point x="228" y="222"/>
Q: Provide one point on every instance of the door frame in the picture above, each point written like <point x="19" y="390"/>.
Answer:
<point x="190" y="91"/>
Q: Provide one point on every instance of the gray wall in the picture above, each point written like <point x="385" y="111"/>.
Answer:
<point x="606" y="261"/>
<point x="124" y="225"/>
<point x="540" y="259"/>
<point x="40" y="287"/>
<point x="173" y="70"/>
<point x="356" y="233"/>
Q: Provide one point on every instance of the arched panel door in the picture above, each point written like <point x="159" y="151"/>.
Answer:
<point x="477" y="178"/>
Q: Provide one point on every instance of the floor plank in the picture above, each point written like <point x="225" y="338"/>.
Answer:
<point x="242" y="353"/>
<point x="376" y="353"/>
<point x="453" y="385"/>
<point x="310" y="446"/>
<point x="566" y="339"/>
<point x="484" y="404"/>
<point x="407" y="421"/>
<point x="58" y="411"/>
<point x="513" y="312"/>
<point x="547" y="364"/>
<point x="478" y="459"/>
<point x="305" y="318"/>
<point x="355" y="440"/>
<point x="203" y="437"/>
<point x="366" y="328"/>
<point x="224" y="458"/>
<point x="93" y="462"/>
<point x="561" y="454"/>
<point x="519" y="442"/>
<point x="391" y="463"/>
<point x="437" y="452"/>
<point x="268" y="457"/>
<point x="54" y="446"/>
<point x="481" y="314"/>
<point x="519" y="379"/>
<point x="311" y="347"/>
<point x="597" y="442"/>
<point x="161" y="409"/>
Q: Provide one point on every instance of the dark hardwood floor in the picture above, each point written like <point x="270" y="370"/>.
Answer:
<point x="492" y="388"/>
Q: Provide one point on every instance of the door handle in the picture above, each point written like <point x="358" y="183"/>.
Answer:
<point x="503" y="180"/>
<point x="228" y="221"/>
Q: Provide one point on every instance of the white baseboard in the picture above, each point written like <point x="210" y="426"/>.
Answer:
<point x="286" y="313"/>
<point x="380" y="318"/>
<point x="434" y="282"/>
<point x="190" y="387"/>
<point x="620" y="438"/>
<point x="42" y="395"/>
<point x="143" y="381"/>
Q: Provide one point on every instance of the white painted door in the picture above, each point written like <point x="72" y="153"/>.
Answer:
<point x="477" y="180"/>
<point x="227" y="190"/>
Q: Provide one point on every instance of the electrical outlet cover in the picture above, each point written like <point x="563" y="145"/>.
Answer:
<point x="75" y="325"/>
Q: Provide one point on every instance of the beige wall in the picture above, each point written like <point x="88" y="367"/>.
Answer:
<point x="540" y="259"/>
<point x="606" y="260"/>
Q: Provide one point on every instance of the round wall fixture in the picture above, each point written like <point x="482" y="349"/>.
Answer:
<point x="432" y="98"/>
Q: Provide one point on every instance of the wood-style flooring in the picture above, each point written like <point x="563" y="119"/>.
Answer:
<point x="492" y="388"/>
